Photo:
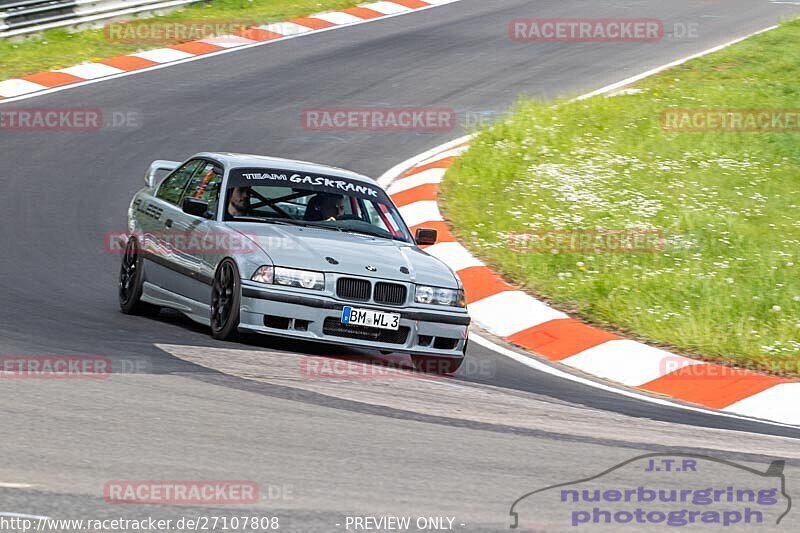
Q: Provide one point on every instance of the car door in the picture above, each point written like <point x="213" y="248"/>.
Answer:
<point x="195" y="240"/>
<point x="159" y="234"/>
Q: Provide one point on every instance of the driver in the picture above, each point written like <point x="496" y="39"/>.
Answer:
<point x="325" y="206"/>
<point x="239" y="202"/>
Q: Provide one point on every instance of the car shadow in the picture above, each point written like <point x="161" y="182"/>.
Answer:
<point x="247" y="340"/>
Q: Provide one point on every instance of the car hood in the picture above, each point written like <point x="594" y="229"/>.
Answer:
<point x="310" y="249"/>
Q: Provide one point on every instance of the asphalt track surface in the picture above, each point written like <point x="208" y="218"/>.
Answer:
<point x="182" y="406"/>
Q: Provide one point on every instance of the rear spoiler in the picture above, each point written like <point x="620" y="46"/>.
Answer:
<point x="155" y="167"/>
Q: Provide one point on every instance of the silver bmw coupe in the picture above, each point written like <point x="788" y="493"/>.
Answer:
<point x="293" y="249"/>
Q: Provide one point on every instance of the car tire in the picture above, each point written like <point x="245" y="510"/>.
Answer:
<point x="131" y="281"/>
<point x="226" y="299"/>
<point x="432" y="364"/>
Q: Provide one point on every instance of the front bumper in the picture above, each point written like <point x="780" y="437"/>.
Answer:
<point x="317" y="318"/>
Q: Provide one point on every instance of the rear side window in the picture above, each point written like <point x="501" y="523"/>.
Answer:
<point x="172" y="188"/>
<point x="205" y="185"/>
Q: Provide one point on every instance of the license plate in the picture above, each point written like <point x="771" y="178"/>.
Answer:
<point x="370" y="318"/>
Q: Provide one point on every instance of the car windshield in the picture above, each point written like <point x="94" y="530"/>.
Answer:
<point x="260" y="195"/>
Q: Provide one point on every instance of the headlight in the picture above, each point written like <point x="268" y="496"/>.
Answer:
<point x="305" y="279"/>
<point x="264" y="274"/>
<point x="439" y="296"/>
<point x="290" y="277"/>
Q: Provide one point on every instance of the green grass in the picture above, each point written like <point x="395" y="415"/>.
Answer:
<point x="727" y="283"/>
<point x="60" y="48"/>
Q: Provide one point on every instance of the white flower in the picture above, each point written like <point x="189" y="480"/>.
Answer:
<point x="776" y="308"/>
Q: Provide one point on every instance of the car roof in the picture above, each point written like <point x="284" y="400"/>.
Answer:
<point x="234" y="160"/>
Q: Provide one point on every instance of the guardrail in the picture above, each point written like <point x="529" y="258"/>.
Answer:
<point x="18" y="17"/>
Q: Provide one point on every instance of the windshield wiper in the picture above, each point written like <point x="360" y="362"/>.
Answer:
<point x="302" y="223"/>
<point x="387" y="236"/>
<point x="317" y="225"/>
<point x="367" y="233"/>
<point x="270" y="220"/>
<point x="289" y="222"/>
<point x="246" y="218"/>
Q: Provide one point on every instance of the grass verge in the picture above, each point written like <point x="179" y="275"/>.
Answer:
<point x="723" y="277"/>
<point x="60" y="48"/>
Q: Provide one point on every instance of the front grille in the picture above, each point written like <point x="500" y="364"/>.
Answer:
<point x="390" y="293"/>
<point x="334" y="327"/>
<point x="353" y="289"/>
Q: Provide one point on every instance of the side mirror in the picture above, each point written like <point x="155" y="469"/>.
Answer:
<point x="151" y="178"/>
<point x="425" y="236"/>
<point x="196" y="207"/>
